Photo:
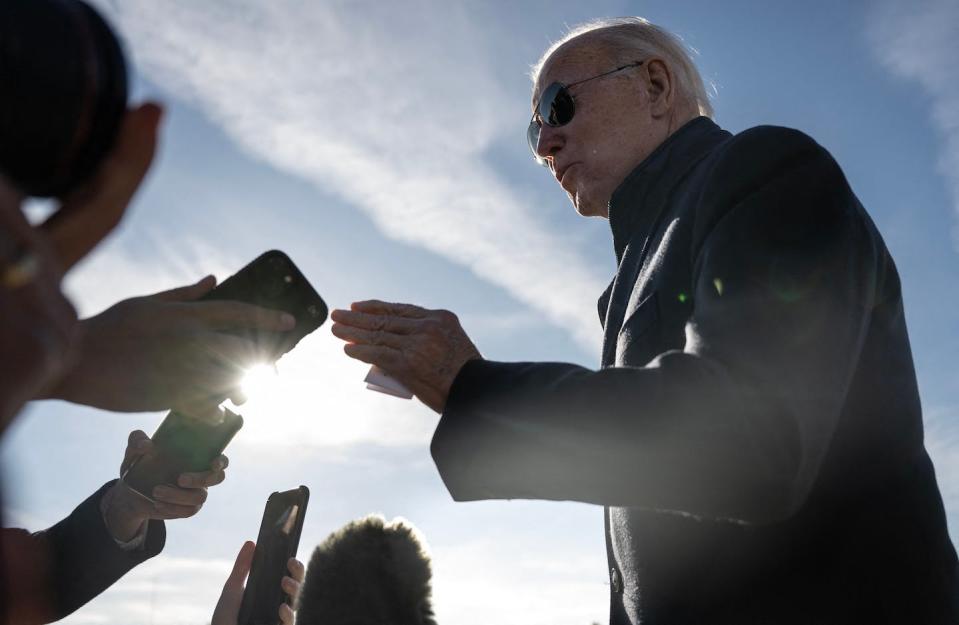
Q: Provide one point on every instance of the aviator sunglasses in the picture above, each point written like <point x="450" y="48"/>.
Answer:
<point x="556" y="108"/>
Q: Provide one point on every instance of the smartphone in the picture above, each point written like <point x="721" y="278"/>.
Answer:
<point x="273" y="281"/>
<point x="184" y="444"/>
<point x="181" y="444"/>
<point x="276" y="543"/>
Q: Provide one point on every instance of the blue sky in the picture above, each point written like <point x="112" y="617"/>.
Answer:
<point x="382" y="146"/>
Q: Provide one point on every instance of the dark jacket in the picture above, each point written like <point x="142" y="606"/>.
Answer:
<point x="755" y="431"/>
<point x="48" y="575"/>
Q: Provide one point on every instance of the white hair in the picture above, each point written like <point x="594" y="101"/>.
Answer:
<point x="628" y="37"/>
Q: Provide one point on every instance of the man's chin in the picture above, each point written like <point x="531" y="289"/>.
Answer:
<point x="586" y="208"/>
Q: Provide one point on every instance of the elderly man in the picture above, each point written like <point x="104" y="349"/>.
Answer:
<point x="755" y="430"/>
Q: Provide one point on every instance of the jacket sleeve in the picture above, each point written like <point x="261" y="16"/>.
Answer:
<point x="733" y="426"/>
<point x="81" y="561"/>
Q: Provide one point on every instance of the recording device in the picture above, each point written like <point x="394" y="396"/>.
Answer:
<point x="186" y="444"/>
<point x="277" y="542"/>
<point x="64" y="93"/>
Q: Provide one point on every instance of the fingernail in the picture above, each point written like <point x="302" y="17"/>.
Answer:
<point x="183" y="481"/>
<point x="143" y="444"/>
<point x="287" y="321"/>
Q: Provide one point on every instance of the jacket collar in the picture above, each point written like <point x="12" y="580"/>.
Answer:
<point x="636" y="203"/>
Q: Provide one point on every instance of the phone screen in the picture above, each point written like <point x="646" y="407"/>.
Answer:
<point x="276" y="543"/>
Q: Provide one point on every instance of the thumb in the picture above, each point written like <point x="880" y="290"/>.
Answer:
<point x="228" y="607"/>
<point x="187" y="293"/>
<point x="138" y="444"/>
<point x="244" y="560"/>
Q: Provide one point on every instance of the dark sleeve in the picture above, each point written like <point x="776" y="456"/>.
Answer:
<point x="733" y="426"/>
<point x="85" y="559"/>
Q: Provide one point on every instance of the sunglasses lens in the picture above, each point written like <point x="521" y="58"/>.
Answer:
<point x="532" y="138"/>
<point x="555" y="108"/>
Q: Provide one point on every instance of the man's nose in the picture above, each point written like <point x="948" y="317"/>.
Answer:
<point x="550" y="142"/>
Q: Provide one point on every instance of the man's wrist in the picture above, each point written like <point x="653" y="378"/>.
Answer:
<point x="122" y="514"/>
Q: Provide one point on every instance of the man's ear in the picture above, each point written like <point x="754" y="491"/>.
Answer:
<point x="661" y="88"/>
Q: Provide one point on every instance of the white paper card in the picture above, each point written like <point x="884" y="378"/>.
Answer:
<point x="378" y="380"/>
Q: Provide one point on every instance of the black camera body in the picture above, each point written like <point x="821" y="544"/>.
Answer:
<point x="64" y="94"/>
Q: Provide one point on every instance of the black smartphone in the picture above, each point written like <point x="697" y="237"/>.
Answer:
<point x="273" y="281"/>
<point x="184" y="444"/>
<point x="181" y="444"/>
<point x="276" y="543"/>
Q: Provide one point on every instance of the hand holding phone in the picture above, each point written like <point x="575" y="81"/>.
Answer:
<point x="277" y="542"/>
<point x="227" y="610"/>
<point x="181" y="444"/>
<point x="271" y="281"/>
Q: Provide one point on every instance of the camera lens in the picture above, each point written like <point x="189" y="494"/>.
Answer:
<point x="64" y="93"/>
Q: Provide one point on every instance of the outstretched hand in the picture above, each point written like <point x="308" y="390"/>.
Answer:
<point x="423" y="349"/>
<point x="166" y="351"/>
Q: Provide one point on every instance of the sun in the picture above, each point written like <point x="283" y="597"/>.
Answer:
<point x="259" y="381"/>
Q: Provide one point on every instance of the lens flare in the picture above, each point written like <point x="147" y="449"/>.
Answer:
<point x="259" y="381"/>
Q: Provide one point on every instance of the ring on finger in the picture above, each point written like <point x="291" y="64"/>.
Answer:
<point x="21" y="271"/>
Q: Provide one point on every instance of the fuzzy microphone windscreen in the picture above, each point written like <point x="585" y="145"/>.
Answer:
<point x="368" y="572"/>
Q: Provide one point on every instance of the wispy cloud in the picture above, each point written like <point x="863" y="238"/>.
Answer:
<point x="920" y="41"/>
<point x="390" y="106"/>
<point x="164" y="590"/>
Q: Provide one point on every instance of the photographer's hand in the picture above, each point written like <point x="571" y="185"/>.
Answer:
<point x="90" y="213"/>
<point x="125" y="511"/>
<point x="39" y="326"/>
<point x="165" y="351"/>
<point x="423" y="349"/>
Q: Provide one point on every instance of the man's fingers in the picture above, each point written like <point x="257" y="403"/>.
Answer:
<point x="189" y="292"/>
<point x="367" y="337"/>
<point x="230" y="315"/>
<point x="92" y="212"/>
<point x="286" y="614"/>
<point x="168" y="511"/>
<point x="384" y="357"/>
<point x="219" y="463"/>
<point x="296" y="569"/>
<point x="290" y="586"/>
<point x="378" y="307"/>
<point x="189" y="497"/>
<point x="131" y="157"/>
<point x="375" y="322"/>
<point x="201" y="480"/>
